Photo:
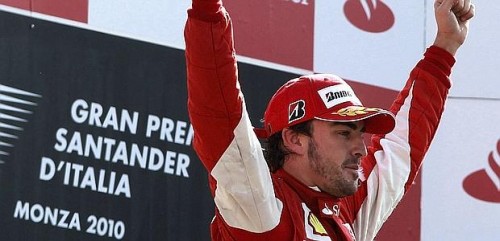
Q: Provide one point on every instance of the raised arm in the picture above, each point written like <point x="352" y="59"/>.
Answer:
<point x="223" y="135"/>
<point x="214" y="98"/>
<point x="395" y="159"/>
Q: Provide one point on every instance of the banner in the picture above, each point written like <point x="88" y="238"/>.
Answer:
<point x="95" y="138"/>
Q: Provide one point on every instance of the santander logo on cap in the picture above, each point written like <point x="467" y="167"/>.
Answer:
<point x="369" y="15"/>
<point x="485" y="184"/>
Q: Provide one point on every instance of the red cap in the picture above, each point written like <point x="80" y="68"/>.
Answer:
<point x="323" y="97"/>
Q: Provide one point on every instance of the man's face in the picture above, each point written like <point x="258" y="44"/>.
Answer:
<point x="335" y="151"/>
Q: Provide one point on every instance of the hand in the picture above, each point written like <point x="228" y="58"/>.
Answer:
<point x="452" y="18"/>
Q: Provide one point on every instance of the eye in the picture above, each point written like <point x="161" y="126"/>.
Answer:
<point x="344" y="133"/>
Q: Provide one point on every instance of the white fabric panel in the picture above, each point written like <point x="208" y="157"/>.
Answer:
<point x="245" y="195"/>
<point x="386" y="181"/>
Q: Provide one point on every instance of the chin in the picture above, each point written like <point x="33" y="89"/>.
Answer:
<point x="346" y="191"/>
<point x="342" y="189"/>
<point x="353" y="188"/>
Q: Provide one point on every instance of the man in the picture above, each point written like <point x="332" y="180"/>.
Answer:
<point x="320" y="181"/>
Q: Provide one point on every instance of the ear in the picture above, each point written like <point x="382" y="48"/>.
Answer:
<point x="294" y="142"/>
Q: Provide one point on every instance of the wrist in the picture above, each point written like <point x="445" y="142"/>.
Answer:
<point x="447" y="44"/>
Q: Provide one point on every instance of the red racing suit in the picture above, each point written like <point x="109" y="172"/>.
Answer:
<point x="253" y="204"/>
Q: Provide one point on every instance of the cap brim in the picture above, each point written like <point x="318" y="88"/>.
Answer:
<point x="376" y="120"/>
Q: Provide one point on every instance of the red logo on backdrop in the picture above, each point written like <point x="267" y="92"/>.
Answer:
<point x="76" y="10"/>
<point x="485" y="184"/>
<point x="369" y="15"/>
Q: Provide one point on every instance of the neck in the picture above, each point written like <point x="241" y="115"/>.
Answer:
<point x="299" y="169"/>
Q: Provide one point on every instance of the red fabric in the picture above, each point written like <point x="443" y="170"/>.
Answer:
<point x="206" y="10"/>
<point x="216" y="107"/>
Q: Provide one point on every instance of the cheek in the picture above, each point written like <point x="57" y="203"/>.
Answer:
<point x="332" y="154"/>
<point x="333" y="148"/>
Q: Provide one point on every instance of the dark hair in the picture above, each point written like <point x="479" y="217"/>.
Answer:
<point x="275" y="152"/>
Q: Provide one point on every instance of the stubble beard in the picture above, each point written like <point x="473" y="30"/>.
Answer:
<point x="336" y="184"/>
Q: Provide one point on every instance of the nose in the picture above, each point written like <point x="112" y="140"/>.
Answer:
<point x="359" y="149"/>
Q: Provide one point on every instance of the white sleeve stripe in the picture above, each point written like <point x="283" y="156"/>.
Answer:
<point x="244" y="194"/>
<point x="386" y="183"/>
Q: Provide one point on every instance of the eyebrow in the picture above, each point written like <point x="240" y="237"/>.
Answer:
<point x="350" y="125"/>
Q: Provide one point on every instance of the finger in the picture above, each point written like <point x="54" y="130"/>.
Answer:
<point x="464" y="9"/>
<point x="458" y="5"/>
<point x="437" y="3"/>
<point x="445" y="5"/>
<point x="469" y="14"/>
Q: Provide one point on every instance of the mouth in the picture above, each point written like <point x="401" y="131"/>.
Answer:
<point x="353" y="168"/>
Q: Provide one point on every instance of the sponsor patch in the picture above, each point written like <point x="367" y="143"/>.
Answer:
<point x="316" y="224"/>
<point x="337" y="94"/>
<point x="296" y="110"/>
<point x="313" y="227"/>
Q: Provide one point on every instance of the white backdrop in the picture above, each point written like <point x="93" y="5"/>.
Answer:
<point x="469" y="132"/>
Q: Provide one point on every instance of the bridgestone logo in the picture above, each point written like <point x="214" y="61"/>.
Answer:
<point x="337" y="94"/>
<point x="296" y="110"/>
